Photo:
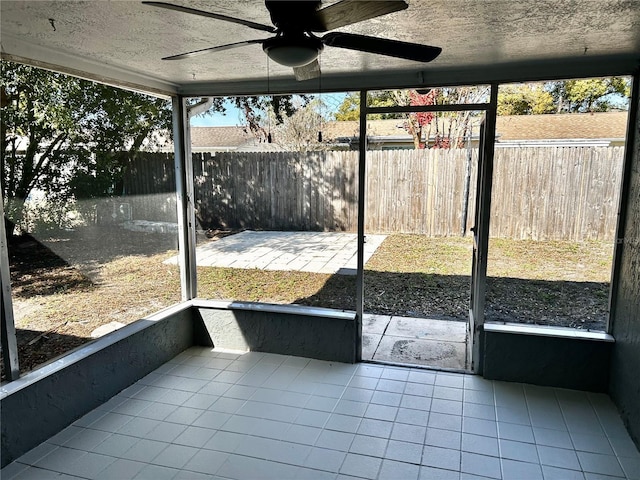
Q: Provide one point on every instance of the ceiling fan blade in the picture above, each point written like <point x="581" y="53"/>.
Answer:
<point x="382" y="46"/>
<point x="347" y="12"/>
<point x="307" y="72"/>
<point x="193" y="11"/>
<point x="211" y="50"/>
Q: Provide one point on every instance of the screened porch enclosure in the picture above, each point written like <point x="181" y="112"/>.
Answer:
<point x="237" y="389"/>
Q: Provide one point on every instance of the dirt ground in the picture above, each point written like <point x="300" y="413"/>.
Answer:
<point x="65" y="286"/>
<point x="68" y="284"/>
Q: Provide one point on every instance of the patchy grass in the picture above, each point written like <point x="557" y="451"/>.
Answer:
<point x="269" y="286"/>
<point x="71" y="284"/>
<point x="420" y="254"/>
<point x="550" y="260"/>
<point x="302" y="288"/>
<point x="132" y="288"/>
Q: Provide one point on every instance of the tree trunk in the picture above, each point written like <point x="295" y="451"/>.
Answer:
<point x="9" y="227"/>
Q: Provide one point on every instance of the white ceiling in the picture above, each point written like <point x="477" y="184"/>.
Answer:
<point x="122" y="42"/>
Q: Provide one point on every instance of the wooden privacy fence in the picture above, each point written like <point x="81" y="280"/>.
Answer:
<point x="556" y="193"/>
<point x="421" y="191"/>
<point x="149" y="186"/>
<point x="542" y="193"/>
<point x="277" y="190"/>
<point x="407" y="191"/>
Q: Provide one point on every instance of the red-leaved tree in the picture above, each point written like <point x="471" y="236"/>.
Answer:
<point x="417" y="122"/>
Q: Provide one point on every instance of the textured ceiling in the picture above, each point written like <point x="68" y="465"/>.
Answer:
<point x="123" y="42"/>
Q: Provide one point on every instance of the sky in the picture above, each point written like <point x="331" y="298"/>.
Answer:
<point x="233" y="116"/>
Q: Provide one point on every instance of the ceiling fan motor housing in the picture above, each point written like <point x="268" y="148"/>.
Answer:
<point x="293" y="50"/>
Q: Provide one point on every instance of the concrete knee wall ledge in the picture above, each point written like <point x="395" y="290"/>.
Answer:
<point x="297" y="330"/>
<point x="555" y="357"/>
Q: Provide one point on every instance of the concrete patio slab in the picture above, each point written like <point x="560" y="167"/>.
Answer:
<point x="375" y="323"/>
<point x="433" y="342"/>
<point x="430" y="353"/>
<point x="428" y="329"/>
<point x="370" y="342"/>
<point x="315" y="252"/>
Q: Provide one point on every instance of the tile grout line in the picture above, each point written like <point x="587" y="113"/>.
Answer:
<point x="533" y="432"/>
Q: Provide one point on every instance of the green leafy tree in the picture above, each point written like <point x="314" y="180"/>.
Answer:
<point x="589" y="95"/>
<point x="525" y="99"/>
<point x="39" y="110"/>
<point x="121" y="125"/>
<point x="567" y="96"/>
<point x="59" y="132"/>
<point x="349" y="109"/>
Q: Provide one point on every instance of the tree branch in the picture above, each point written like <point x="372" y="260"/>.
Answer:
<point x="43" y="161"/>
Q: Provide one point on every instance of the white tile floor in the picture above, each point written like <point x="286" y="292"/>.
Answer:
<point x="212" y="415"/>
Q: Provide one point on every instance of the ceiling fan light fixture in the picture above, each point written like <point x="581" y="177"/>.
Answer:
<point x="292" y="51"/>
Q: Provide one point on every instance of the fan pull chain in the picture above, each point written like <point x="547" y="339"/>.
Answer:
<point x="269" y="138"/>
<point x="320" y="90"/>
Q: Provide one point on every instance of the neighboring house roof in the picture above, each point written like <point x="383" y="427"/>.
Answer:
<point x="221" y="138"/>
<point x="375" y="128"/>
<point x="573" y="128"/>
<point x="605" y="125"/>
<point x="345" y="133"/>
<point x="241" y="138"/>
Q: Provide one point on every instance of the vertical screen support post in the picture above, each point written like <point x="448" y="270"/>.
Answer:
<point x="362" y="168"/>
<point x="184" y="194"/>
<point x="7" y="328"/>
<point x="481" y="232"/>
<point x="624" y="199"/>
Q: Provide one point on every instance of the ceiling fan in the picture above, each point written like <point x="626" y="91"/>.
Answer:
<point x="295" y="24"/>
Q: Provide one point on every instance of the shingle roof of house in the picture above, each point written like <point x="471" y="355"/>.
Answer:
<point x="607" y="125"/>
<point x="375" y="128"/>
<point x="231" y="137"/>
